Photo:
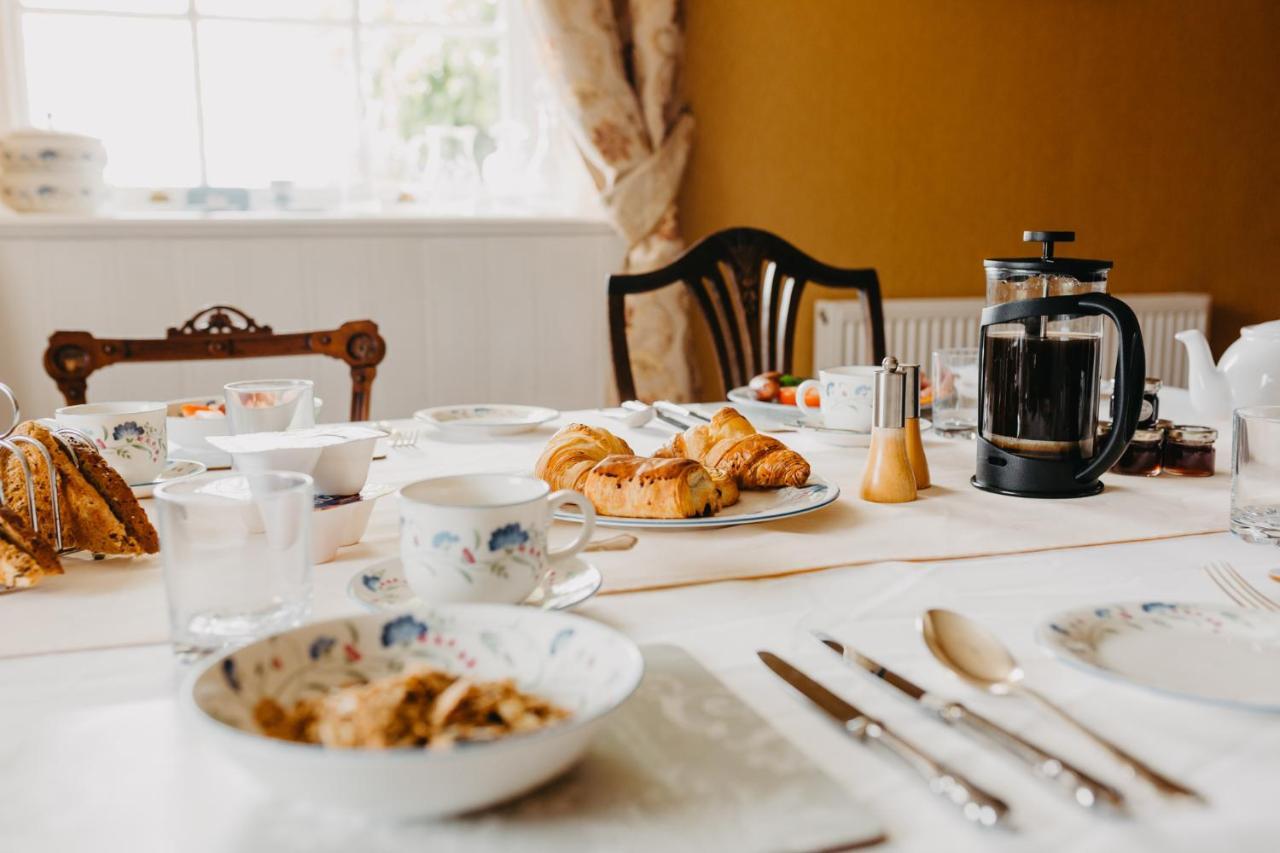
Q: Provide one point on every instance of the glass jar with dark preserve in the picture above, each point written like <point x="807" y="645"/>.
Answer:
<point x="1189" y="451"/>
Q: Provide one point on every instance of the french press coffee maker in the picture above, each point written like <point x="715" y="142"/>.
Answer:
<point x="1039" y="350"/>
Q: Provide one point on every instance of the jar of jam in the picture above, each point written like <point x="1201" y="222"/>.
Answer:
<point x="1149" y="413"/>
<point x="1142" y="456"/>
<point x="1189" y="451"/>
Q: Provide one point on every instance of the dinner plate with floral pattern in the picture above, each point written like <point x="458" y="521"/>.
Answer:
<point x="382" y="586"/>
<point x="1207" y="652"/>
<point x="753" y="507"/>
<point x="486" y="419"/>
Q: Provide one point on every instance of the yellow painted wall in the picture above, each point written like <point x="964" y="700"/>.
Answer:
<point x="919" y="136"/>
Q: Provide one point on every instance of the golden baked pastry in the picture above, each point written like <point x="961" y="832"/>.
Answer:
<point x="641" y="487"/>
<point x="729" y="442"/>
<point x="25" y="558"/>
<point x="573" y="451"/>
<point x="99" y="511"/>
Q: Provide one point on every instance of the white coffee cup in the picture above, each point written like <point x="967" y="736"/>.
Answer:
<point x="482" y="537"/>
<point x="131" y="436"/>
<point x="844" y="396"/>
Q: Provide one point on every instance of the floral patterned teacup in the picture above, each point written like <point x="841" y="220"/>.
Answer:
<point x="130" y="436"/>
<point x="482" y="537"/>
<point x="844" y="397"/>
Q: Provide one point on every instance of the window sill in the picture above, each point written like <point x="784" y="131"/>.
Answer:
<point x="289" y="224"/>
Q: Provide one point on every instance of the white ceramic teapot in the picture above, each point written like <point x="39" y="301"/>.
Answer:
<point x="1247" y="375"/>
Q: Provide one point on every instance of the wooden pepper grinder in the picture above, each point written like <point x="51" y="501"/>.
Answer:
<point x="911" y="420"/>
<point x="888" y="477"/>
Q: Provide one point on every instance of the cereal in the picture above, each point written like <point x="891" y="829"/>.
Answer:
<point x="426" y="707"/>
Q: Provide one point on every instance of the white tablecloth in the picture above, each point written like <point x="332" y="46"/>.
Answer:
<point x="94" y="754"/>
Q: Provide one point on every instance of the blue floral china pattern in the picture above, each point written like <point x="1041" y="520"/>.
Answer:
<point x="131" y="438"/>
<point x="1210" y="652"/>
<point x="581" y="665"/>
<point x="504" y="551"/>
<point x="382" y="586"/>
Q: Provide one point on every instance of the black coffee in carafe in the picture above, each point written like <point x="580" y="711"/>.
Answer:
<point x="1040" y="394"/>
<point x="1040" y="344"/>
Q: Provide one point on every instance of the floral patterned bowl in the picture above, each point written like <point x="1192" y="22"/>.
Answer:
<point x="582" y="665"/>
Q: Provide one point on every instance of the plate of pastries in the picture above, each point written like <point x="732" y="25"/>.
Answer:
<point x="98" y="512"/>
<point x="715" y="474"/>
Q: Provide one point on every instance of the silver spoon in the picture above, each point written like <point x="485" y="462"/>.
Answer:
<point x="976" y="655"/>
<point x="636" y="414"/>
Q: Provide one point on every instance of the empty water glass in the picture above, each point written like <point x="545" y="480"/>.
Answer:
<point x="237" y="556"/>
<point x="270" y="405"/>
<point x="955" y="391"/>
<point x="1255" y="474"/>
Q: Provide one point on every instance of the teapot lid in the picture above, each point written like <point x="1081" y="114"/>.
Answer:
<point x="1078" y="268"/>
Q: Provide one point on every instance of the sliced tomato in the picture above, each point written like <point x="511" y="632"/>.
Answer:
<point x="811" y="397"/>
<point x="787" y="396"/>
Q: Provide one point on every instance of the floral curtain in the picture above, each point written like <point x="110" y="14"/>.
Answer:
<point x="616" y="66"/>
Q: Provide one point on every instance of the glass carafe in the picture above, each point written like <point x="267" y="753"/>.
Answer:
<point x="1041" y="345"/>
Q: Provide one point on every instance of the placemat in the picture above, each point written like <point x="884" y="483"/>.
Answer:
<point x="683" y="765"/>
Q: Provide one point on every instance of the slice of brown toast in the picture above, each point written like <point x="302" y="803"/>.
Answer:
<point x="13" y="480"/>
<point x="25" y="558"/>
<point x="103" y="515"/>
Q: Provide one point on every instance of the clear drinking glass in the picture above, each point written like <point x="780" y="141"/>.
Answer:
<point x="270" y="405"/>
<point x="955" y="391"/>
<point x="237" y="556"/>
<point x="1255" y="474"/>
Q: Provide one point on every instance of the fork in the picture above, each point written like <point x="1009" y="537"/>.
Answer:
<point x="1239" y="590"/>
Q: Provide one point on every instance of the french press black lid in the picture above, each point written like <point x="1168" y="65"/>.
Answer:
<point x="1081" y="269"/>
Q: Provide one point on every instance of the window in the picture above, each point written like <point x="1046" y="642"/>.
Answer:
<point x="301" y="103"/>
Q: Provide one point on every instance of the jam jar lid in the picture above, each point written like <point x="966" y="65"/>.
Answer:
<point x="1147" y="436"/>
<point x="1191" y="434"/>
<point x="1082" y="269"/>
<point x="1152" y="385"/>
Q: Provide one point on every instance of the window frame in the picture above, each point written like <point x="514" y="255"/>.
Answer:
<point x="518" y="73"/>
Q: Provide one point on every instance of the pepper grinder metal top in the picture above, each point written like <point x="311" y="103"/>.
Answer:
<point x="889" y="402"/>
<point x="911" y="375"/>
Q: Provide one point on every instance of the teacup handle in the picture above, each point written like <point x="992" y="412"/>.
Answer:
<point x="801" y="391"/>
<point x="568" y="496"/>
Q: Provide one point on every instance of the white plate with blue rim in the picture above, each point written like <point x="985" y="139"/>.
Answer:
<point x="382" y="586"/>
<point x="174" y="470"/>
<point x="486" y="419"/>
<point x="1206" y="652"/>
<point x="753" y="507"/>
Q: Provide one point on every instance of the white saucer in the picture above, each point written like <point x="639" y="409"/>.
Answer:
<point x="382" y="586"/>
<point x="486" y="419"/>
<point x="174" y="469"/>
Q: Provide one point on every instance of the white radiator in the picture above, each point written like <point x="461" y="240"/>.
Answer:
<point x="914" y="328"/>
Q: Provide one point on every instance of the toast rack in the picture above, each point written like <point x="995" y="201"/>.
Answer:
<point x="67" y="437"/>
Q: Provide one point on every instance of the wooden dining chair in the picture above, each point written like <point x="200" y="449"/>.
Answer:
<point x="747" y="284"/>
<point x="218" y="331"/>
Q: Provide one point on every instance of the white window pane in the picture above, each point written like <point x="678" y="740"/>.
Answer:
<point x="279" y="104"/>
<point x="303" y="9"/>
<point x="430" y="11"/>
<point x="128" y="81"/>
<point x="163" y="6"/>
<point x="413" y="79"/>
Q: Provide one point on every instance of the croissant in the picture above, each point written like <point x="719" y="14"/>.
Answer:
<point x="573" y="451"/>
<point x="640" y="487"/>
<point x="730" y="443"/>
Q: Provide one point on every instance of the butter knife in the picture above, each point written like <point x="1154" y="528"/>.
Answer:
<point x="1083" y="788"/>
<point x="976" y="804"/>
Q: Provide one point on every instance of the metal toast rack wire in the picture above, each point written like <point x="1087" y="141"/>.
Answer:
<point x="67" y="437"/>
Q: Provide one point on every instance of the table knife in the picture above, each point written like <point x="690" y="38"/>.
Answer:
<point x="976" y="804"/>
<point x="679" y="411"/>
<point x="1086" y="790"/>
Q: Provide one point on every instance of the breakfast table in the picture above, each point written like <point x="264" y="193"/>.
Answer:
<point x="97" y="751"/>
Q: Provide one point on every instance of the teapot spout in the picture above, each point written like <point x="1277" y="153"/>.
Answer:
<point x="1210" y="391"/>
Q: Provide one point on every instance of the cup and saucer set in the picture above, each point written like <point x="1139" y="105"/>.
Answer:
<point x="133" y="438"/>
<point x="842" y="417"/>
<point x="481" y="538"/>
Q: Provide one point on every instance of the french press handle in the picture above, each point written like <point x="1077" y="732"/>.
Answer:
<point x="1131" y="366"/>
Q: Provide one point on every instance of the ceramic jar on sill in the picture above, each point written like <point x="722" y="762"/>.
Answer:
<point x="45" y="171"/>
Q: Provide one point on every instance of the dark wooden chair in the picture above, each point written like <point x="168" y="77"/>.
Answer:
<point x="218" y="331"/>
<point x="748" y="285"/>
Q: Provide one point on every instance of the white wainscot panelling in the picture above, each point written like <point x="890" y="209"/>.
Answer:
<point x="471" y="312"/>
